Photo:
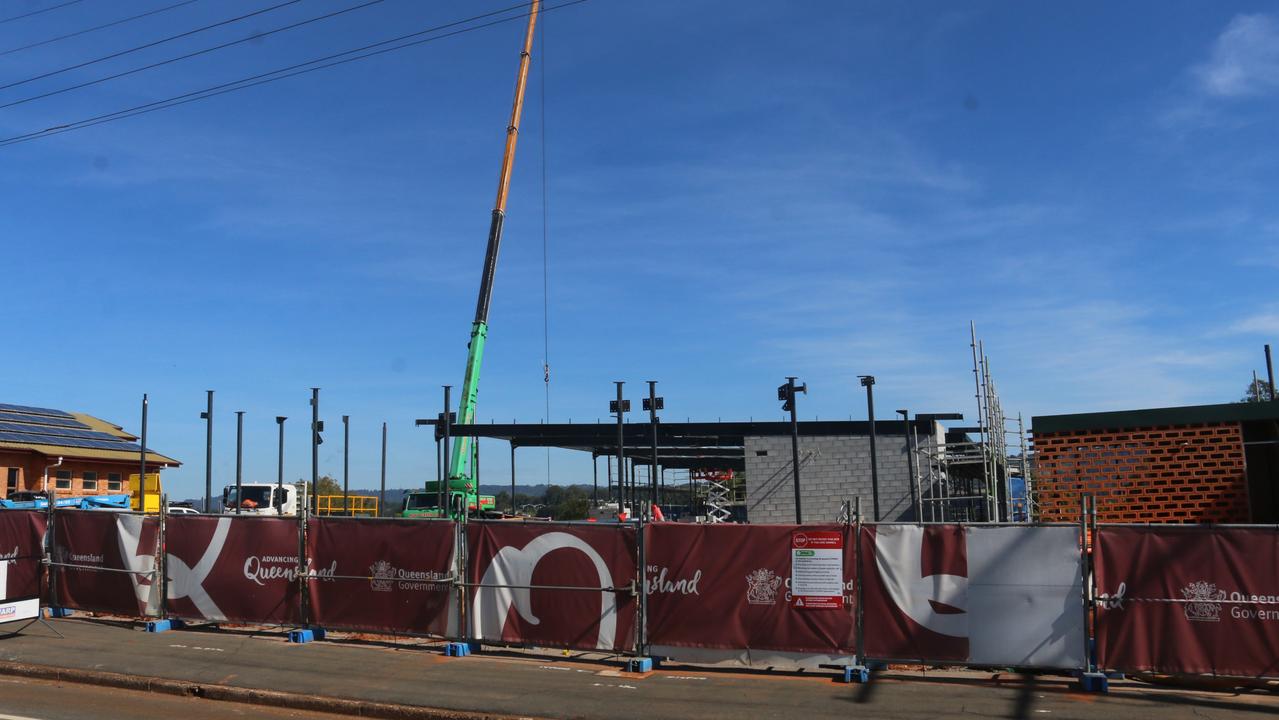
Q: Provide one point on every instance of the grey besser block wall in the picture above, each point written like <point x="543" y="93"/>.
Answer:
<point x="831" y="470"/>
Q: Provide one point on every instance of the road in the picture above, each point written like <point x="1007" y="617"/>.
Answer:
<point x="553" y="686"/>
<point x="24" y="699"/>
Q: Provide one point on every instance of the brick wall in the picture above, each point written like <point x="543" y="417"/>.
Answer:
<point x="832" y="470"/>
<point x="1187" y="473"/>
<point x="31" y="466"/>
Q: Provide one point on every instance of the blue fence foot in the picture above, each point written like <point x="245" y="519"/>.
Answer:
<point x="856" y="674"/>
<point x="639" y="665"/>
<point x="305" y="636"/>
<point x="159" y="626"/>
<point x="460" y="649"/>
<point x="1094" y="682"/>
<point x="60" y="612"/>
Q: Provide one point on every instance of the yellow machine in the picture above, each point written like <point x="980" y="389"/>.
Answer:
<point x="146" y="498"/>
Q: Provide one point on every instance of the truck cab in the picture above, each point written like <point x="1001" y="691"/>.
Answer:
<point x="263" y="499"/>
<point x="426" y="503"/>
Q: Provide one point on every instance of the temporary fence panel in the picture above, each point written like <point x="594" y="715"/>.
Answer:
<point x="106" y="562"/>
<point x="234" y="569"/>
<point x="731" y="587"/>
<point x="1009" y="596"/>
<point x="382" y="574"/>
<point x="1188" y="599"/>
<point x="553" y="585"/>
<point x="21" y="550"/>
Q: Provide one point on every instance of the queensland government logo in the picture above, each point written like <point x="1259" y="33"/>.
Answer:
<point x="761" y="587"/>
<point x="383" y="579"/>
<point x="1203" y="601"/>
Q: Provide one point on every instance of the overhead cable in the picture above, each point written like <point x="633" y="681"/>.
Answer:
<point x="95" y="28"/>
<point x="131" y="50"/>
<point x="205" y="51"/>
<point x="286" y="72"/>
<point x="41" y="11"/>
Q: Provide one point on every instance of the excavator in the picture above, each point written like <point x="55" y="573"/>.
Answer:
<point x="462" y="490"/>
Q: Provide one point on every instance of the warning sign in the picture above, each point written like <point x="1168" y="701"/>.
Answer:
<point x="817" y="570"/>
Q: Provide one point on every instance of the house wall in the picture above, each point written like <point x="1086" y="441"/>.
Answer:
<point x="1171" y="473"/>
<point x="31" y="466"/>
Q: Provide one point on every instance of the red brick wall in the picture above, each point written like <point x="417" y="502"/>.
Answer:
<point x="31" y="475"/>
<point x="1191" y="473"/>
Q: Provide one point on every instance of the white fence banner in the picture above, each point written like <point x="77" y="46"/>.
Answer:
<point x="1025" y="598"/>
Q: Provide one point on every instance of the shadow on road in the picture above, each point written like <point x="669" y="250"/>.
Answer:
<point x="1025" y="697"/>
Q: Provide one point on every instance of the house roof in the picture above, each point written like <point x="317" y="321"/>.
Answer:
<point x="54" y="432"/>
<point x="1185" y="415"/>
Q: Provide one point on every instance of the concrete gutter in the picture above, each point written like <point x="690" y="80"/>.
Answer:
<point x="227" y="693"/>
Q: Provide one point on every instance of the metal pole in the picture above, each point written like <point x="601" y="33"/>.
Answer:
<point x="315" y="448"/>
<point x="868" y="381"/>
<point x="608" y="468"/>
<point x="381" y="495"/>
<point x="794" y="445"/>
<point x="279" y="476"/>
<point x="512" y="478"/>
<point x="438" y="462"/>
<point x="1270" y="373"/>
<point x="910" y="466"/>
<point x="445" y="507"/>
<point x="621" y="443"/>
<point x="595" y="481"/>
<point x="239" y="460"/>
<point x="142" y="459"/>
<point x="346" y="464"/>
<point x="652" y="421"/>
<point x="208" y="453"/>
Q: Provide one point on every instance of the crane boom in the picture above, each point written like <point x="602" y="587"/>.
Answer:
<point x="463" y="491"/>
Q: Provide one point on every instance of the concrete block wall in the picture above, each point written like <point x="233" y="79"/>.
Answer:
<point x="832" y="469"/>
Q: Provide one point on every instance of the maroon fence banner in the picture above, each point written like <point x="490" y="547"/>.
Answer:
<point x="505" y="559"/>
<point x="390" y="575"/>
<point x="234" y="569"/>
<point x="729" y="587"/>
<point x="1188" y="600"/>
<point x="21" y="549"/>
<point x="914" y="587"/>
<point x="105" y="562"/>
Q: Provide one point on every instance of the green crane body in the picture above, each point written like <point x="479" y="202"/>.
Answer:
<point x="463" y="491"/>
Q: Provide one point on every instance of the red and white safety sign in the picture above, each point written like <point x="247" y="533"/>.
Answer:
<point x="817" y="569"/>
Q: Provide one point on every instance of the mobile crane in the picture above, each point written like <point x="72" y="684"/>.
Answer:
<point x="463" y="491"/>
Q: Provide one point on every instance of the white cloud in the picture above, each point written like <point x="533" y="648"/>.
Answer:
<point x="1264" y="323"/>
<point x="1244" y="60"/>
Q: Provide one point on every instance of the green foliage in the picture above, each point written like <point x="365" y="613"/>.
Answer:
<point x="1257" y="392"/>
<point x="328" y="486"/>
<point x="572" y="502"/>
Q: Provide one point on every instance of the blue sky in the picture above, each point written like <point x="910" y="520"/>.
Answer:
<point x="737" y="191"/>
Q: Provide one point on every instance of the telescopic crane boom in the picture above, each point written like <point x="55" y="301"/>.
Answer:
<point x="463" y="490"/>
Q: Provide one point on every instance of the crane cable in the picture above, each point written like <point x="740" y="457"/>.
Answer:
<point x="546" y="303"/>
<point x="95" y="28"/>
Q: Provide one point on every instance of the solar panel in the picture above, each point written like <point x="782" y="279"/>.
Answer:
<point x="68" y="441"/>
<point x="42" y="419"/>
<point x="48" y="412"/>
<point x="58" y="431"/>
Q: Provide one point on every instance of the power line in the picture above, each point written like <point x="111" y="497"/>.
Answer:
<point x="205" y="51"/>
<point x="288" y="72"/>
<point x="86" y="31"/>
<point x="149" y="45"/>
<point x="38" y="12"/>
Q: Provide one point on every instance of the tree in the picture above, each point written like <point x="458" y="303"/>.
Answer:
<point x="1258" y="391"/>
<point x="328" y="486"/>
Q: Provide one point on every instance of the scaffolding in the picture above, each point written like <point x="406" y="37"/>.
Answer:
<point x="970" y="476"/>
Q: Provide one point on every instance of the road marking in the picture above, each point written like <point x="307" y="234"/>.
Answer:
<point x="549" y="667"/>
<point x="611" y="685"/>
<point x="196" y="647"/>
<point x="682" y="677"/>
<point x="16" y="717"/>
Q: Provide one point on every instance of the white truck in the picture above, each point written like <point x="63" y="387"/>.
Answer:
<point x="264" y="499"/>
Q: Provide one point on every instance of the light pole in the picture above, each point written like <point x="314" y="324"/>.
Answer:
<point x="346" y="464"/>
<point x="142" y="457"/>
<point x="239" y="460"/>
<point x="786" y="393"/>
<point x="652" y="404"/>
<point x="910" y="465"/>
<point x="868" y="382"/>
<point x="620" y="407"/>
<point x="207" y="416"/>
<point x="279" y="474"/>
<point x="317" y="427"/>
<point x="381" y="495"/>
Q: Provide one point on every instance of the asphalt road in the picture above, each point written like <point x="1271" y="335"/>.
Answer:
<point x="25" y="699"/>
<point x="554" y="686"/>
